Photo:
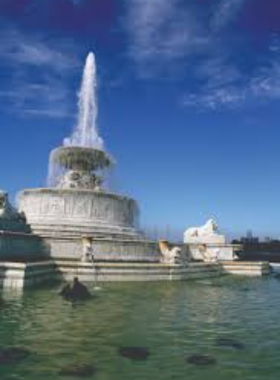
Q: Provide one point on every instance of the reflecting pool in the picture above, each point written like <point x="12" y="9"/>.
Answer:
<point x="226" y="328"/>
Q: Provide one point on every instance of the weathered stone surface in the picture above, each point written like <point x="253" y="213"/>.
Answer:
<point x="56" y="206"/>
<point x="110" y="249"/>
<point x="246" y="268"/>
<point x="134" y="353"/>
<point x="63" y="217"/>
<point x="86" y="212"/>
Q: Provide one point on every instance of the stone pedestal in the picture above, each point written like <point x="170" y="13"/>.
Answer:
<point x="213" y="239"/>
<point x="213" y="252"/>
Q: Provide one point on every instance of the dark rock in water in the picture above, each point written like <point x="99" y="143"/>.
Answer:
<point x="134" y="353"/>
<point x="75" y="292"/>
<point x="65" y="291"/>
<point x="229" y="342"/>
<point x="12" y="355"/>
<point x="201" y="360"/>
<point x="78" y="370"/>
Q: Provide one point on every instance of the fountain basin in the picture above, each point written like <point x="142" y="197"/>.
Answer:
<point x="80" y="211"/>
<point x="64" y="216"/>
<point x="80" y="158"/>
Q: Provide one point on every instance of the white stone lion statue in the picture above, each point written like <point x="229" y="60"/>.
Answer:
<point x="210" y="228"/>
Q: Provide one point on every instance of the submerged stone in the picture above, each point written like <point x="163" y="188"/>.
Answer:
<point x="201" y="360"/>
<point x="75" y="292"/>
<point x="230" y="342"/>
<point x="134" y="353"/>
<point x="78" y="370"/>
<point x="13" y="355"/>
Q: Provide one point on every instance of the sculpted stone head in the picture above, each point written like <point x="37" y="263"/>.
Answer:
<point x="213" y="224"/>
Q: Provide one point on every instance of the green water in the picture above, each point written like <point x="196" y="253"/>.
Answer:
<point x="173" y="320"/>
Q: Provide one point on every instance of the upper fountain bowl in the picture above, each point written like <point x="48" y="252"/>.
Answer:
<point x="81" y="158"/>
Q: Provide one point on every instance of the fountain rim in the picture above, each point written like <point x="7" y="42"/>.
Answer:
<point x="56" y="191"/>
<point x="90" y="158"/>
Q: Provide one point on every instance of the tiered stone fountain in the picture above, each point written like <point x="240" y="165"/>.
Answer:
<point x="78" y="206"/>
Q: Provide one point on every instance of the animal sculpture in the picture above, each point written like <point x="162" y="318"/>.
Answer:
<point x="169" y="255"/>
<point x="208" y="229"/>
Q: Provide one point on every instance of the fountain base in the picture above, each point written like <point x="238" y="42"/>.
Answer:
<point x="64" y="216"/>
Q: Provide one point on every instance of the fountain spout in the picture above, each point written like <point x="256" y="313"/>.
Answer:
<point x="86" y="131"/>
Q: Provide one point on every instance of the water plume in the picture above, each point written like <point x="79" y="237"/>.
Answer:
<point x="86" y="131"/>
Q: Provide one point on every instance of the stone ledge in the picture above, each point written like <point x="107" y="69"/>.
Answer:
<point x="20" y="275"/>
<point x="134" y="264"/>
<point x="244" y="263"/>
<point x="246" y="268"/>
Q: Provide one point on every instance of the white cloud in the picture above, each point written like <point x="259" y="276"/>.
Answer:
<point x="161" y="32"/>
<point x="165" y="34"/>
<point x="217" y="71"/>
<point x="262" y="85"/>
<point x="39" y="71"/>
<point x="267" y="84"/>
<point x="18" y="48"/>
<point x="50" y="99"/>
<point x="58" y="113"/>
<point x="231" y="97"/>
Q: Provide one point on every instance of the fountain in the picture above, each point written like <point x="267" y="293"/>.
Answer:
<point x="77" y="205"/>
<point x="77" y="227"/>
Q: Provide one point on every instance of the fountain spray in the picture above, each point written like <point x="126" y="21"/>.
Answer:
<point x="86" y="131"/>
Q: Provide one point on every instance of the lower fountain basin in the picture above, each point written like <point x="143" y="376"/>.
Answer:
<point x="74" y="212"/>
<point x="64" y="216"/>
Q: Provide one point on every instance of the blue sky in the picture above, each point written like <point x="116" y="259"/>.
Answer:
<point x="189" y="102"/>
